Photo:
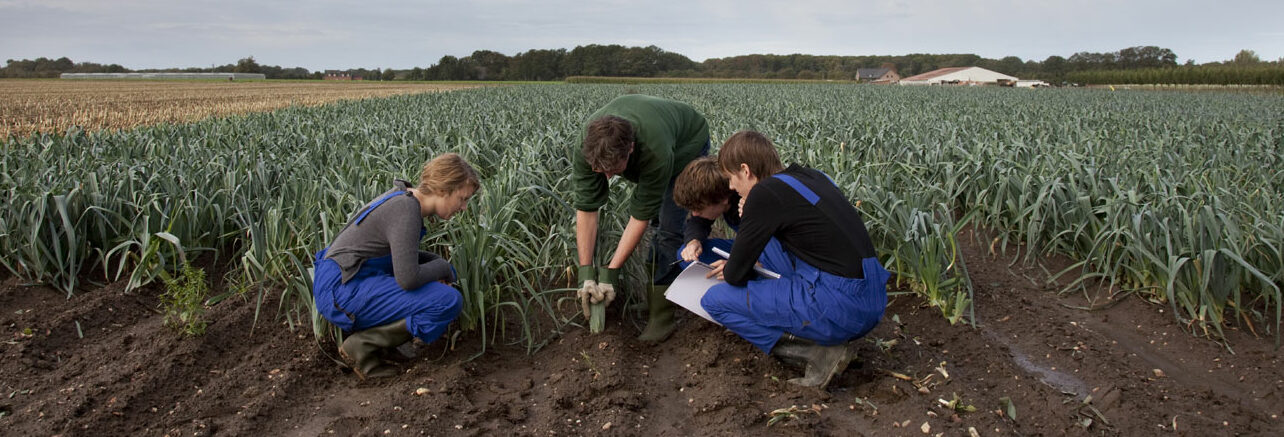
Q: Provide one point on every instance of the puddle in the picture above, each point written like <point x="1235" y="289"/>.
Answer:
<point x="1057" y="379"/>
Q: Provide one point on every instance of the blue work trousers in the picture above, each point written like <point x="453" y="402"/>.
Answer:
<point x="805" y="301"/>
<point x="373" y="298"/>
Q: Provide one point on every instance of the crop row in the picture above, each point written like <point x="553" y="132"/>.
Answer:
<point x="1172" y="196"/>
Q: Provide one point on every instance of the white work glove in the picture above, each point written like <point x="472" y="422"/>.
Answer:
<point x="587" y="293"/>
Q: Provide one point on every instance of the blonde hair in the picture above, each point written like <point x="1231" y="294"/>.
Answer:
<point x="446" y="174"/>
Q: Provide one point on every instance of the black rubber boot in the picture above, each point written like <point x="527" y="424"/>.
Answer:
<point x="361" y="349"/>
<point x="659" y="324"/>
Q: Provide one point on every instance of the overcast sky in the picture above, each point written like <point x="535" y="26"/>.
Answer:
<point x="331" y="34"/>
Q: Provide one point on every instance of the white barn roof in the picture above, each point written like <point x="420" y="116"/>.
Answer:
<point x="957" y="75"/>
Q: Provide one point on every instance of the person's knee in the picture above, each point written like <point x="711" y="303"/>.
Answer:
<point x="715" y="300"/>
<point x="452" y="301"/>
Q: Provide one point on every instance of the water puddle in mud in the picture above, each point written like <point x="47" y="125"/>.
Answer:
<point x="1059" y="380"/>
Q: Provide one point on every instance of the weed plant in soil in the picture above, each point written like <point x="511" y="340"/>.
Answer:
<point x="1174" y="197"/>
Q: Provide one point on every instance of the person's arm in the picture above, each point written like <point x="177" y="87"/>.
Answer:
<point x="694" y="231"/>
<point x="696" y="228"/>
<point x="628" y="241"/>
<point x="757" y="226"/>
<point x="401" y="223"/>
<point x="585" y="236"/>
<point x="732" y="215"/>
<point x="655" y="170"/>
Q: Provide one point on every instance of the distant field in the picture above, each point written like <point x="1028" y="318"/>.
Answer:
<point x="692" y="80"/>
<point x="52" y="106"/>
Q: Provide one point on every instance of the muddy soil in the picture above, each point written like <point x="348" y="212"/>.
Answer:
<point x="103" y="363"/>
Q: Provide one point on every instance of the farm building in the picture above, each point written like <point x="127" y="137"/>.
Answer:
<point x="958" y="75"/>
<point x="341" y="75"/>
<point x="877" y="75"/>
<point x="229" y="76"/>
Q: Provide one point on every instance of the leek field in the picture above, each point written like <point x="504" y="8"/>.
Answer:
<point x="1176" y="198"/>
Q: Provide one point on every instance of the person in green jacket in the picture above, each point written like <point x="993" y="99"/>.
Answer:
<point x="646" y="140"/>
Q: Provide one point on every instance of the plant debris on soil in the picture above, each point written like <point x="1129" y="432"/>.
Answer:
<point x="103" y="363"/>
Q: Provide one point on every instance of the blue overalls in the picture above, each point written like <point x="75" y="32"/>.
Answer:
<point x="373" y="298"/>
<point x="805" y="301"/>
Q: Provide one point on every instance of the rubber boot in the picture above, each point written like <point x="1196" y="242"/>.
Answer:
<point x="822" y="363"/>
<point x="659" y="324"/>
<point x="793" y="351"/>
<point x="361" y="350"/>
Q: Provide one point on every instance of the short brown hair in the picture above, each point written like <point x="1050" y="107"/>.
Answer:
<point x="701" y="184"/>
<point x="750" y="148"/>
<point x="446" y="174"/>
<point x="606" y="141"/>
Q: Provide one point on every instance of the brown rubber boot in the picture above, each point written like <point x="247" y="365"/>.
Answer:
<point x="361" y="349"/>
<point x="659" y="324"/>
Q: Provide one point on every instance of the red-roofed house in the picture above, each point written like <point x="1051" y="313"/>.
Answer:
<point x="958" y="75"/>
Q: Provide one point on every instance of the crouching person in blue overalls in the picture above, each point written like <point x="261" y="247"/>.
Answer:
<point x="703" y="189"/>
<point x="796" y="222"/>
<point x="376" y="285"/>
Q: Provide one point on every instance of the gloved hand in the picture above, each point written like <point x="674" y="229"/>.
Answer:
<point x="588" y="287"/>
<point x="607" y="277"/>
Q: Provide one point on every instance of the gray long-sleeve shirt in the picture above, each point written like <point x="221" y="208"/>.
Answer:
<point x="392" y="228"/>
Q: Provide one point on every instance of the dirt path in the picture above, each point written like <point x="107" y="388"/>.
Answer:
<point x="1124" y="370"/>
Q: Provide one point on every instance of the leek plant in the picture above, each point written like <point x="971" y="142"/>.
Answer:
<point x="1174" y="196"/>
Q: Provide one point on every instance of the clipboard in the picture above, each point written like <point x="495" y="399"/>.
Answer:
<point x="690" y="286"/>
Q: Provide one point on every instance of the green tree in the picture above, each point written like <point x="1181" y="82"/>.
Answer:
<point x="489" y="65"/>
<point x="1247" y="57"/>
<point x="247" y="65"/>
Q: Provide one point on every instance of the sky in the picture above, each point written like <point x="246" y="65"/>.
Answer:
<point x="330" y="34"/>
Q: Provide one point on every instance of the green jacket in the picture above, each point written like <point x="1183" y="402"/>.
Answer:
<point x="669" y="134"/>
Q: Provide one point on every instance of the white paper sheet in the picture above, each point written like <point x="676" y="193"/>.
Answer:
<point x="690" y="286"/>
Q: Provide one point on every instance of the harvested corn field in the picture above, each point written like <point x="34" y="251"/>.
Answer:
<point x="53" y="106"/>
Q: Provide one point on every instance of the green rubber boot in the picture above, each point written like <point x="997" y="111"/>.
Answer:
<point x="659" y="324"/>
<point x="361" y="350"/>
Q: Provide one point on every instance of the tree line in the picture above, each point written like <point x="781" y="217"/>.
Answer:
<point x="51" y="68"/>
<point x="1141" y="64"/>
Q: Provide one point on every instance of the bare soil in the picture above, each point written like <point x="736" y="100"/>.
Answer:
<point x="102" y="363"/>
